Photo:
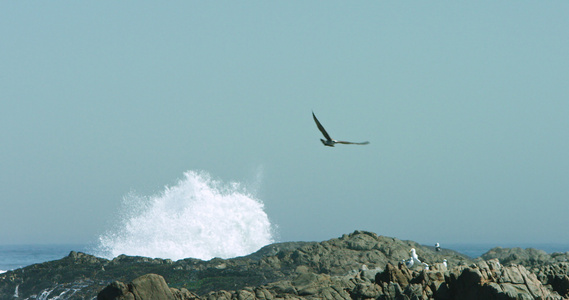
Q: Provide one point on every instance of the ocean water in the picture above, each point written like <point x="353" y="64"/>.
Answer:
<point x="19" y="256"/>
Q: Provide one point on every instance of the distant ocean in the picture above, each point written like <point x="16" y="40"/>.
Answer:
<point x="19" y="256"/>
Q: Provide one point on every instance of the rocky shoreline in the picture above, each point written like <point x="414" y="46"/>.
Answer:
<point x="360" y="265"/>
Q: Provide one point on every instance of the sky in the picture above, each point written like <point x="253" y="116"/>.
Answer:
<point x="465" y="106"/>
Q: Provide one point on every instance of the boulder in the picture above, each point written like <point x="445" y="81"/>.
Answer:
<point x="146" y="287"/>
<point x="115" y="291"/>
<point x="494" y="281"/>
<point x="150" y="286"/>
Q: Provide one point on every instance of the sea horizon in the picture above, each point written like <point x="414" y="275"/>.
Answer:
<point x="15" y="256"/>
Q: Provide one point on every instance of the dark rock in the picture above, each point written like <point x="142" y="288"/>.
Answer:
<point x="149" y="286"/>
<point x="400" y="274"/>
<point x="360" y="265"/>
<point x="487" y="280"/>
<point x="116" y="290"/>
<point x="560" y="284"/>
<point x="493" y="281"/>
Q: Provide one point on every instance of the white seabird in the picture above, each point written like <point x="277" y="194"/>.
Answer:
<point x="426" y="266"/>
<point x="445" y="263"/>
<point x="437" y="247"/>
<point x="414" y="255"/>
<point x="330" y="142"/>
<point x="409" y="263"/>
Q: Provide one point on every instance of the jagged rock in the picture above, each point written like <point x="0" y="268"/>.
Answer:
<point x="370" y="274"/>
<point x="219" y="295"/>
<point x="487" y="280"/>
<point x="360" y="265"/>
<point x="560" y="284"/>
<point x="528" y="257"/>
<point x="366" y="291"/>
<point x="363" y="241"/>
<point x="82" y="258"/>
<point x="310" y="283"/>
<point x="401" y="275"/>
<point x="392" y="290"/>
<point x="116" y="290"/>
<point x="183" y="294"/>
<point x="416" y="291"/>
<point x="494" y="281"/>
<point x="149" y="286"/>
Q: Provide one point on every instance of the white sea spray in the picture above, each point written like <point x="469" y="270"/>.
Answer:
<point x="199" y="217"/>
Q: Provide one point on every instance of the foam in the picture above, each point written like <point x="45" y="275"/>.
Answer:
<point x="198" y="217"/>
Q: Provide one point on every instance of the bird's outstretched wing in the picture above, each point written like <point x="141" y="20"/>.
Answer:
<point x="321" y="128"/>
<point x="352" y="143"/>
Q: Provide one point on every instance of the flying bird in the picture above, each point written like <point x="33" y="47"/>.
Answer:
<point x="330" y="142"/>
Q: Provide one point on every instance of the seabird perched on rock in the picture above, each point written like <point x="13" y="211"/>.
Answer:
<point x="409" y="263"/>
<point x="330" y="142"/>
<point x="426" y="266"/>
<point x="437" y="247"/>
<point x="445" y="263"/>
<point x="414" y="255"/>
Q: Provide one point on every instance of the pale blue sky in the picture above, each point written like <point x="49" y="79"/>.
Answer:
<point x="466" y="107"/>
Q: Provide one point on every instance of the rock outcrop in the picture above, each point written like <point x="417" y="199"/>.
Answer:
<point x="355" y="266"/>
<point x="149" y="286"/>
<point x="528" y="257"/>
<point x="487" y="280"/>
